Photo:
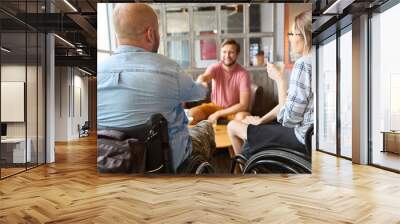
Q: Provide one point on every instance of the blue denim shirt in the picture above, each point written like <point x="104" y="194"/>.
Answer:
<point x="132" y="84"/>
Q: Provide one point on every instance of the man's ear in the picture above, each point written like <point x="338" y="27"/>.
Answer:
<point x="150" y="35"/>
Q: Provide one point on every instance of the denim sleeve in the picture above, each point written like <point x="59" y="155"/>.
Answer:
<point x="190" y="90"/>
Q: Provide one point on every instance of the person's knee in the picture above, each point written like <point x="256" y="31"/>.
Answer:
<point x="203" y="130"/>
<point x="203" y="139"/>
<point x="205" y="125"/>
<point x="241" y="115"/>
<point x="232" y="127"/>
<point x="237" y="129"/>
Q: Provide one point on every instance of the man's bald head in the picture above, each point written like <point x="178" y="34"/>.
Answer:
<point x="133" y="22"/>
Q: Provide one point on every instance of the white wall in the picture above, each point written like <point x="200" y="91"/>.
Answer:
<point x="33" y="126"/>
<point x="14" y="73"/>
<point x="61" y="103"/>
<point x="71" y="103"/>
<point x="17" y="73"/>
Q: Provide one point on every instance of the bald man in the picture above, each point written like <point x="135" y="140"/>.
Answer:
<point x="136" y="82"/>
<point x="136" y="25"/>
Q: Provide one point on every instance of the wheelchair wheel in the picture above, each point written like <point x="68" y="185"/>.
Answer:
<point x="276" y="161"/>
<point x="204" y="168"/>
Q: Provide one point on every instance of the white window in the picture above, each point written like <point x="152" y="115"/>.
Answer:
<point x="191" y="34"/>
<point x="327" y="97"/>
<point x="346" y="94"/>
<point x="385" y="87"/>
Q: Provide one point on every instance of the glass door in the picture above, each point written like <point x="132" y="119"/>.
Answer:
<point x="14" y="154"/>
<point x="385" y="89"/>
<point x="327" y="96"/>
<point x="22" y="87"/>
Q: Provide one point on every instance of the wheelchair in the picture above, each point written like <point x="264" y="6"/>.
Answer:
<point x="154" y="136"/>
<point x="277" y="160"/>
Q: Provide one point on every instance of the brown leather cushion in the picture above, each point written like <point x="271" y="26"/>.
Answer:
<point x="255" y="99"/>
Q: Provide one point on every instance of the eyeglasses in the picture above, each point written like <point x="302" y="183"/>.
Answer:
<point x="293" y="34"/>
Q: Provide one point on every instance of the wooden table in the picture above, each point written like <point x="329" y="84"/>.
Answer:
<point x="222" y="138"/>
<point x="223" y="142"/>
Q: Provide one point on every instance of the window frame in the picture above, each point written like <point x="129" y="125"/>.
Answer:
<point x="192" y="37"/>
<point x="371" y="14"/>
<point x="333" y="37"/>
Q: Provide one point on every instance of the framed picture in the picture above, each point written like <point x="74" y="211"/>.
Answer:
<point x="208" y="48"/>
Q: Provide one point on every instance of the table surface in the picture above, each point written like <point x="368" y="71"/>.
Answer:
<point x="221" y="136"/>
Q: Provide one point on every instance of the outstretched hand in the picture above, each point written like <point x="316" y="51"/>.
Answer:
<point x="213" y="117"/>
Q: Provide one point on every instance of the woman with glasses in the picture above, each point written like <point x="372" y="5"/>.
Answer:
<point x="286" y="124"/>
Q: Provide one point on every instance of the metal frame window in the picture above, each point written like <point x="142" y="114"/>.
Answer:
<point x="191" y="37"/>
<point x="219" y="36"/>
<point x="372" y="75"/>
<point x="110" y="38"/>
<point x="337" y="38"/>
<point x="34" y="57"/>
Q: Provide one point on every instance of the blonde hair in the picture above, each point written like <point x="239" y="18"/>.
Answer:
<point x="302" y="24"/>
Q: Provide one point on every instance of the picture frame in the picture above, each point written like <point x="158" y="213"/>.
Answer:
<point x="208" y="47"/>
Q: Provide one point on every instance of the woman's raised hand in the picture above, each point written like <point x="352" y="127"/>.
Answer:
<point x="274" y="72"/>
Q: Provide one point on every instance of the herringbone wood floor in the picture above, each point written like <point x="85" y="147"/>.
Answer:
<point x="71" y="191"/>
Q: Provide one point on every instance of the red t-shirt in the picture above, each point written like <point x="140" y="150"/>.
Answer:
<point x="226" y="86"/>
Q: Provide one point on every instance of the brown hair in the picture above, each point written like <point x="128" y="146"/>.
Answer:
<point x="231" y="42"/>
<point x="302" y="24"/>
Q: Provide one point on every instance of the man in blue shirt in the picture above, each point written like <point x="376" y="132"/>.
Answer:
<point x="136" y="82"/>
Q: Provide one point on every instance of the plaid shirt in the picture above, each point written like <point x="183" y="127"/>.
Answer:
<point x="298" y="111"/>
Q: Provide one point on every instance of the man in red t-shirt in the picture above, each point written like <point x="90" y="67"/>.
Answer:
<point x="230" y="92"/>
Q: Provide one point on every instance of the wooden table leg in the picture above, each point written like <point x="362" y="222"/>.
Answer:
<point x="231" y="151"/>
<point x="232" y="154"/>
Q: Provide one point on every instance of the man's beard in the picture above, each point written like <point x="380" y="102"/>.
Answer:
<point x="230" y="64"/>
